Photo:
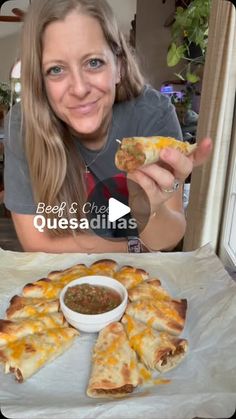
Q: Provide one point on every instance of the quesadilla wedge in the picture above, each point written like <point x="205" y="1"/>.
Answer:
<point x="67" y="275"/>
<point x="25" y="356"/>
<point x="166" y="316"/>
<point x="149" y="289"/>
<point x="135" y="152"/>
<point x="130" y="277"/>
<point x="114" y="364"/>
<point x="43" y="288"/>
<point x="105" y="267"/>
<point x="21" y="307"/>
<point x="13" y="330"/>
<point x="157" y="350"/>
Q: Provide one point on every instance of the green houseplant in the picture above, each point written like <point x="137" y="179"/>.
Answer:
<point x="7" y="98"/>
<point x="189" y="36"/>
<point x="5" y="95"/>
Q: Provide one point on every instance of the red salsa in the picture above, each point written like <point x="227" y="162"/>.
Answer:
<point x="91" y="299"/>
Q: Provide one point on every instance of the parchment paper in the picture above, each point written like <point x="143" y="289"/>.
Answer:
<point x="204" y="385"/>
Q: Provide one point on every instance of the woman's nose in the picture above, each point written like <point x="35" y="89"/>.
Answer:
<point x="79" y="84"/>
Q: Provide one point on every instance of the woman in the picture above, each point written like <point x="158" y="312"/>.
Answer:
<point x="81" y="89"/>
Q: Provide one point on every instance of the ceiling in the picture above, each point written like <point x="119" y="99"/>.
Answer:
<point x="7" y="28"/>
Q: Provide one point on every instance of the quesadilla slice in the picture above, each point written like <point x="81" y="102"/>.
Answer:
<point x="114" y="364"/>
<point x="166" y="316"/>
<point x="43" y="288"/>
<point x="149" y="289"/>
<point x="21" y="307"/>
<point x="130" y="276"/>
<point x="135" y="152"/>
<point x="67" y="275"/>
<point x="105" y="267"/>
<point x="157" y="350"/>
<point x="24" y="357"/>
<point x="13" y="330"/>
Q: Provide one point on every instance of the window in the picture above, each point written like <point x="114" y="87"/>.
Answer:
<point x="15" y="80"/>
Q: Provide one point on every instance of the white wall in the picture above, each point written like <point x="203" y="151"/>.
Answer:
<point x="9" y="51"/>
<point x="153" y="39"/>
<point x="124" y="11"/>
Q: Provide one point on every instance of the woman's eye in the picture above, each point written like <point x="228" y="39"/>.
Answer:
<point x="95" y="63"/>
<point x="54" y="71"/>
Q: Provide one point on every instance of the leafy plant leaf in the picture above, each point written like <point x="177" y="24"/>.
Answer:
<point x="192" y="77"/>
<point x="175" y="54"/>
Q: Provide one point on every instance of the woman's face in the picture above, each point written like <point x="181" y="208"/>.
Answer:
<point x="80" y="73"/>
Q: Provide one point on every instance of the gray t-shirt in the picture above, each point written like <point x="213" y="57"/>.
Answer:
<point x="151" y="113"/>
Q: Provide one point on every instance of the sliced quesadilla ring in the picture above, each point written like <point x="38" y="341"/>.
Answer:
<point x="24" y="357"/>
<point x="149" y="289"/>
<point x="105" y="267"/>
<point x="114" y="364"/>
<point x="135" y="152"/>
<point x="67" y="275"/>
<point x="166" y="316"/>
<point x="21" y="307"/>
<point x="130" y="277"/>
<point x="13" y="330"/>
<point x="157" y="350"/>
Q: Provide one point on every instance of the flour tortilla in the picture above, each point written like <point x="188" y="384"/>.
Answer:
<point x="12" y="330"/>
<point x="43" y="288"/>
<point x="157" y="350"/>
<point x="168" y="316"/>
<point x="106" y="267"/>
<point x="67" y="275"/>
<point x="149" y="289"/>
<point x="24" y="357"/>
<point x="130" y="276"/>
<point x="21" y="307"/>
<point x="135" y="152"/>
<point x="114" y="364"/>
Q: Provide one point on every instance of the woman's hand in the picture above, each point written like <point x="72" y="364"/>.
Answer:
<point x="159" y="180"/>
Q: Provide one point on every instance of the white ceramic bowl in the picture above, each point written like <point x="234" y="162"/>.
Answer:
<point x="94" y="322"/>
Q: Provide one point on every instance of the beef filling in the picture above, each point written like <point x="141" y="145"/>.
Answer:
<point x="127" y="388"/>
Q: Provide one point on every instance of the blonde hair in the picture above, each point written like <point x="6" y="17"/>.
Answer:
<point x="56" y="167"/>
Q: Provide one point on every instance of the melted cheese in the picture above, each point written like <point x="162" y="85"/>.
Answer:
<point x="163" y="142"/>
<point x="151" y="321"/>
<point x="129" y="324"/>
<point x="149" y="305"/>
<point x="73" y="275"/>
<point x="128" y="277"/>
<point x="137" y="341"/>
<point x="155" y="142"/>
<point x="112" y="361"/>
<point x="133" y="364"/>
<point x="159" y="381"/>
<point x="45" y="289"/>
<point x="148" y="290"/>
<point x="157" y="295"/>
<point x="168" y="311"/>
<point x="110" y="349"/>
<point x="16" y="349"/>
<point x="101" y="268"/>
<point x="30" y="311"/>
<point x="145" y="373"/>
